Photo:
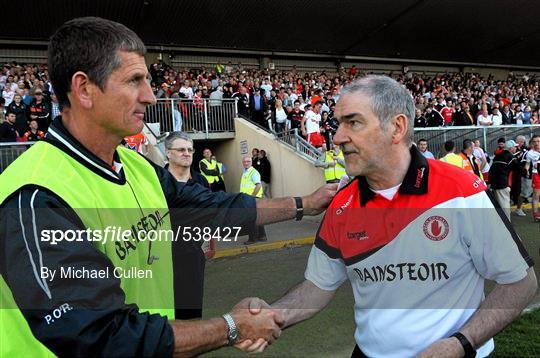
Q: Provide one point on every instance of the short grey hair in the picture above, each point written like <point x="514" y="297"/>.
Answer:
<point x="174" y="136"/>
<point x="524" y="138"/>
<point x="388" y="98"/>
<point x="90" y="45"/>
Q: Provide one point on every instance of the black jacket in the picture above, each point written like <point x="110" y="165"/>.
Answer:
<point x="8" y="132"/>
<point x="243" y="103"/>
<point x="195" y="178"/>
<point x="43" y="112"/>
<point x="508" y="118"/>
<point x="263" y="106"/>
<point x="502" y="165"/>
<point x="264" y="168"/>
<point x="420" y="122"/>
<point x="21" y="111"/>
<point x="461" y="118"/>
<point x="188" y="265"/>
<point x="434" y="119"/>
<point x="100" y="322"/>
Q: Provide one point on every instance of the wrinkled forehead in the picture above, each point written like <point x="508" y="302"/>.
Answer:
<point x="352" y="103"/>
<point x="179" y="142"/>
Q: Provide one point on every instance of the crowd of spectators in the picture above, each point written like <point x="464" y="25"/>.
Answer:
<point x="281" y="100"/>
<point x="464" y="99"/>
<point x="27" y="94"/>
<point x="511" y="171"/>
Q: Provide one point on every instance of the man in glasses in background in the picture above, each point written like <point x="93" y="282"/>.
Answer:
<point x="179" y="147"/>
<point x="188" y="257"/>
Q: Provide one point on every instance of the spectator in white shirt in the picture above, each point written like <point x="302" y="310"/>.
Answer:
<point x="186" y="90"/>
<point x="312" y="120"/>
<point x="8" y="94"/>
<point x="292" y="96"/>
<point x="484" y="119"/>
<point x="281" y="116"/>
<point x="479" y="154"/>
<point x="496" y="117"/>
<point x="267" y="87"/>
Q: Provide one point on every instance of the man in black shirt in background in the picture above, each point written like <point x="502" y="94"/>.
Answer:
<point x="7" y="129"/>
<point x="188" y="256"/>
<point x="262" y="164"/>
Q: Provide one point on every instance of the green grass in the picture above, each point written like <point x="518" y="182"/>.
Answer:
<point x="330" y="334"/>
<point x="521" y="338"/>
<point x="530" y="234"/>
<point x="269" y="275"/>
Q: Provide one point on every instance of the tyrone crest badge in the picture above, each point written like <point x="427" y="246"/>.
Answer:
<point x="436" y="228"/>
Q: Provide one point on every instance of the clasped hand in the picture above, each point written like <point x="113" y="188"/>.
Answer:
<point x="258" y="324"/>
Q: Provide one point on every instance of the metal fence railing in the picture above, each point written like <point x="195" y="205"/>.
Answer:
<point x="299" y="144"/>
<point x="487" y="135"/>
<point x="10" y="151"/>
<point x="204" y="115"/>
<point x="222" y="119"/>
<point x="435" y="136"/>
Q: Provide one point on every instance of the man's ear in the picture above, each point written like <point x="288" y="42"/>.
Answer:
<point x="400" y="126"/>
<point x="82" y="90"/>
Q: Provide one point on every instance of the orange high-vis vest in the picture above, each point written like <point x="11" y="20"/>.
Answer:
<point x="469" y="167"/>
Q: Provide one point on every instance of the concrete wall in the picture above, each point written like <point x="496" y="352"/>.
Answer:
<point x="22" y="55"/>
<point x="292" y="175"/>
<point x="498" y="73"/>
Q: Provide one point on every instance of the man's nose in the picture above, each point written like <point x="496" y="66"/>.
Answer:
<point x="147" y="95"/>
<point x="341" y="136"/>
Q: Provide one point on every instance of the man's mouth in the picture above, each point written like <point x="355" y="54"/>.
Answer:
<point x="349" y="151"/>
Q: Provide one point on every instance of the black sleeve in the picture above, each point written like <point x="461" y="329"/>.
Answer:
<point x="27" y="112"/>
<point x="192" y="204"/>
<point x="94" y="319"/>
<point x="440" y="118"/>
<point x="200" y="179"/>
<point x="3" y="130"/>
<point x="207" y="171"/>
<point x="46" y="111"/>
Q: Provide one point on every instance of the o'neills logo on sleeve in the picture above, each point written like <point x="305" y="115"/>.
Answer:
<point x="436" y="228"/>
<point x="419" y="177"/>
<point x="404" y="271"/>
<point x="341" y="209"/>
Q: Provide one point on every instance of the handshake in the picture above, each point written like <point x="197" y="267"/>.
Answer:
<point x="258" y="324"/>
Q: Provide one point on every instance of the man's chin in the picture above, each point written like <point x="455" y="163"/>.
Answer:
<point x="353" y="172"/>
<point x="135" y="129"/>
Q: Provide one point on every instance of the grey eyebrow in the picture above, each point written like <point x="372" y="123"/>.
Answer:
<point x="348" y="117"/>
